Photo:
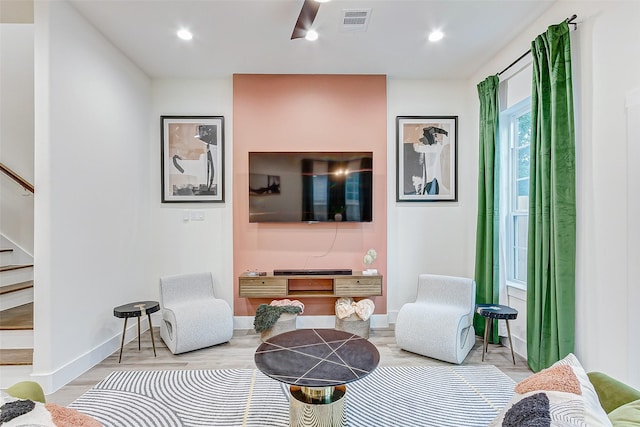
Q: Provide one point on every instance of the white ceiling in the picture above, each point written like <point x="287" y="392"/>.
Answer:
<point x="253" y="36"/>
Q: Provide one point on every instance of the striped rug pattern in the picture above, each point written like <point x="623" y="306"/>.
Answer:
<point x="438" y="396"/>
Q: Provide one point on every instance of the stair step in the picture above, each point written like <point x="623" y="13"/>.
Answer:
<point x="16" y="338"/>
<point x="17" y="318"/>
<point x="15" y="267"/>
<point x="7" y="256"/>
<point x="16" y="357"/>
<point x="15" y="273"/>
<point x="16" y="287"/>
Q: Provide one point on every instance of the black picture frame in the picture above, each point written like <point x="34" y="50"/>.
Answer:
<point x="427" y="158"/>
<point x="192" y="159"/>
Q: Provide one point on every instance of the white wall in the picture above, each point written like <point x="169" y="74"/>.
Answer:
<point x="190" y="246"/>
<point x="16" y="132"/>
<point x="613" y="33"/>
<point x="605" y="71"/>
<point x="633" y="213"/>
<point x="435" y="237"/>
<point x="92" y="206"/>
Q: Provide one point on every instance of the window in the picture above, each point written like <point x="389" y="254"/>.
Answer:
<point x="515" y="131"/>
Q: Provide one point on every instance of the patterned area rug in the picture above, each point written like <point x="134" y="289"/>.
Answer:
<point x="390" y="396"/>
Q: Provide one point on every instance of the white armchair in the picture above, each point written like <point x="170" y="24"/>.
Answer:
<point x="439" y="324"/>
<point x="192" y="317"/>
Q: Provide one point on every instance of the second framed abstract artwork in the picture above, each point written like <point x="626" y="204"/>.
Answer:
<point x="192" y="159"/>
<point x="426" y="159"/>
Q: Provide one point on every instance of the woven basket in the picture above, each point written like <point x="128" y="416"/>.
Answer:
<point x="354" y="325"/>
<point x="286" y="323"/>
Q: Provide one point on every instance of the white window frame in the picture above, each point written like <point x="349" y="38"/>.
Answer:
<point x="508" y="189"/>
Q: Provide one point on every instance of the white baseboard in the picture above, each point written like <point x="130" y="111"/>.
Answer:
<point x="393" y="316"/>
<point x="308" y="322"/>
<point x="53" y="381"/>
<point x="242" y="322"/>
<point x="519" y="345"/>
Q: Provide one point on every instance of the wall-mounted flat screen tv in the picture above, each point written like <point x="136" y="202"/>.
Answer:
<point x="310" y="186"/>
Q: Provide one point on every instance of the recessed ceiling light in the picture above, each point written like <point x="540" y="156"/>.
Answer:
<point x="184" y="34"/>
<point x="436" y="35"/>
<point x="312" y="35"/>
<point x="322" y="1"/>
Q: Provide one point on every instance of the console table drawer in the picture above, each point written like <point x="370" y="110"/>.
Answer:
<point x="262" y="287"/>
<point x="358" y="286"/>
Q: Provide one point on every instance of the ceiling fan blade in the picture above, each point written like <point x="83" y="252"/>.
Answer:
<point x="305" y="19"/>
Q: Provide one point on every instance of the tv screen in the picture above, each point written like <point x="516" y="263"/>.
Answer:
<point x="310" y="187"/>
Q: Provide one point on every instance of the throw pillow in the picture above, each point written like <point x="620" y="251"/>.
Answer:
<point x="21" y="413"/>
<point x="626" y="415"/>
<point x="558" y="378"/>
<point x="27" y="390"/>
<point x="594" y="410"/>
<point x="572" y="399"/>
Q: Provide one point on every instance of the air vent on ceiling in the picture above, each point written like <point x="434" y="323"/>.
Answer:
<point x="355" y="19"/>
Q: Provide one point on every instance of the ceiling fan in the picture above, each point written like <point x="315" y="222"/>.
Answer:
<point x="305" y="19"/>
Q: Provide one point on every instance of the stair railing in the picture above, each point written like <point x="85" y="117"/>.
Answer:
<point x="17" y="178"/>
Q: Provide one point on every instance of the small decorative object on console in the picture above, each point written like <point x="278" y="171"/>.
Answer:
<point x="368" y="259"/>
<point x="254" y="273"/>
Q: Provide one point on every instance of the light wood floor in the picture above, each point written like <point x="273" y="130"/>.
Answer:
<point x="238" y="353"/>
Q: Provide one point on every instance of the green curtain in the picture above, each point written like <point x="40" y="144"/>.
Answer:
<point x="487" y="230"/>
<point x="552" y="203"/>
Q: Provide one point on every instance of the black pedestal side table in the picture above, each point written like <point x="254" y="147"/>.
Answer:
<point x="137" y="309"/>
<point x="496" y="311"/>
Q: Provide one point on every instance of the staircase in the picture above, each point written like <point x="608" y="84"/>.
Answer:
<point x="16" y="318"/>
<point x="16" y="279"/>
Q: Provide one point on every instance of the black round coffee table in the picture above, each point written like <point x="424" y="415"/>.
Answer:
<point x="317" y="363"/>
<point x="137" y="309"/>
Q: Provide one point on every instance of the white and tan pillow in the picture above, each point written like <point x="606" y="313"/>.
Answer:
<point x="560" y="396"/>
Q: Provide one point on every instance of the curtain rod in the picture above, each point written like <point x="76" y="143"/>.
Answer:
<point x="569" y="21"/>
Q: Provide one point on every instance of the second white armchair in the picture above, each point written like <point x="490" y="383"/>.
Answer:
<point x="439" y="324"/>
<point x="192" y="317"/>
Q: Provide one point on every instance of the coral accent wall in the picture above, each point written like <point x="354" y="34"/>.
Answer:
<point x="308" y="113"/>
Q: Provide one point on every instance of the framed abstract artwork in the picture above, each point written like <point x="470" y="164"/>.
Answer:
<point x="192" y="154"/>
<point x="426" y="158"/>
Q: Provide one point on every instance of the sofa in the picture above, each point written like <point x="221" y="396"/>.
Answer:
<point x="619" y="401"/>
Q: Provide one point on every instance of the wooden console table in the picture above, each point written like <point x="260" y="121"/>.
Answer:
<point x="270" y="286"/>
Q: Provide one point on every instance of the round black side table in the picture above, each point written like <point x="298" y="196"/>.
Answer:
<point x="137" y="309"/>
<point x="496" y="311"/>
